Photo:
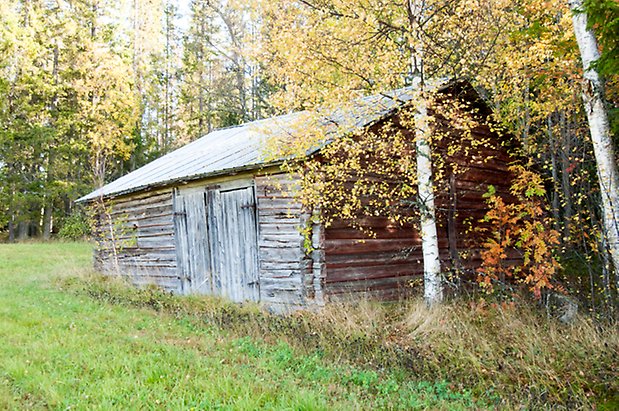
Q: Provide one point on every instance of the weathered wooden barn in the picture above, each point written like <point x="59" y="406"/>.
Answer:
<point x="215" y="217"/>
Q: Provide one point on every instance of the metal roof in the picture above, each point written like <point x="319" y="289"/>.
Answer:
<point x="243" y="147"/>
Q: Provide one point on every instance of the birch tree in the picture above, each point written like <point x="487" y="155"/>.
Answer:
<point x="433" y="287"/>
<point x="599" y="126"/>
<point x="328" y="52"/>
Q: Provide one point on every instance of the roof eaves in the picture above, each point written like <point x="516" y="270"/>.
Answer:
<point x="185" y="179"/>
<point x="400" y="104"/>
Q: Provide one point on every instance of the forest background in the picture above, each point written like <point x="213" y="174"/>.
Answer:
<point x="92" y="89"/>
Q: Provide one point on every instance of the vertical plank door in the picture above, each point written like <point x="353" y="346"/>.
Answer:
<point x="233" y="239"/>
<point x="192" y="248"/>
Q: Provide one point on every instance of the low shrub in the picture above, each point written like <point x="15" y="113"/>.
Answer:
<point x="75" y="227"/>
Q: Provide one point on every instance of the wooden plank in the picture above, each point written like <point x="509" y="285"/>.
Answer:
<point x="142" y="195"/>
<point x="377" y="233"/>
<point x="371" y="284"/>
<point x="280" y="244"/>
<point x="279" y="203"/>
<point x="348" y="246"/>
<point x="292" y="284"/>
<point x="236" y="247"/>
<point x="363" y="273"/>
<point x="266" y="267"/>
<point x="142" y="210"/>
<point x="389" y="258"/>
<point x="284" y="238"/>
<point x="141" y="251"/>
<point x="280" y="273"/>
<point x="215" y="238"/>
<point x="281" y="254"/>
<point x="277" y="217"/>
<point x="192" y="240"/>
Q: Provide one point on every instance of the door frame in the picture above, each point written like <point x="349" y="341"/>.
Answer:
<point x="203" y="187"/>
<point x="185" y="273"/>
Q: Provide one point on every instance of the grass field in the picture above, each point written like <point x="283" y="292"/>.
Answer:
<point x="65" y="350"/>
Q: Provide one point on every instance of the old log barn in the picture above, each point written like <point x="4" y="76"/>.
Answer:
<point x="215" y="217"/>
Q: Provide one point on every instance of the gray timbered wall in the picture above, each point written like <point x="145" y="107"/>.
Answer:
<point x="283" y="260"/>
<point x="135" y="237"/>
<point x="240" y="239"/>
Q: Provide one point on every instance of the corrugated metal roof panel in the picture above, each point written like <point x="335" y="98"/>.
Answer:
<point x="243" y="147"/>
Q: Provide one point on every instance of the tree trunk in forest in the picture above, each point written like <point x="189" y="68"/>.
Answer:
<point x="22" y="230"/>
<point x="47" y="219"/>
<point x="597" y="115"/>
<point x="209" y="107"/>
<point x="240" y="84"/>
<point x="565" y="153"/>
<point x="433" y="284"/>
<point x="48" y="200"/>
<point x="555" y="176"/>
<point x="34" y="229"/>
<point x="166" y="106"/>
<point x="67" y="205"/>
<point x="11" y="228"/>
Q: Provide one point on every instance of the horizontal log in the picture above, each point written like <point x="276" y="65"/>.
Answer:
<point x="347" y="246"/>
<point x="293" y="222"/>
<point x="150" y="225"/>
<point x="278" y="203"/>
<point x="292" y="283"/>
<point x="148" y="219"/>
<point x="268" y="266"/>
<point x="284" y="237"/>
<point x="155" y="252"/>
<point x="481" y="187"/>
<point x="288" y="227"/>
<point x="375" y="259"/>
<point x="136" y="235"/>
<point x="142" y="195"/>
<point x="131" y="270"/>
<point x="348" y="274"/>
<point x="371" y="284"/>
<point x="377" y="233"/>
<point x="142" y="209"/>
<point x="154" y="256"/>
<point x="373" y="222"/>
<point x="284" y="298"/>
<point x="389" y="294"/>
<point x="483" y="175"/>
<point x="280" y="273"/>
<point x="280" y="254"/>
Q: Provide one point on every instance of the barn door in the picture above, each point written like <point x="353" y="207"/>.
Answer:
<point x="234" y="243"/>
<point x="192" y="248"/>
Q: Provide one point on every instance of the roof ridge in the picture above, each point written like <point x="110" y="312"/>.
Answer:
<point x="385" y="94"/>
<point x="240" y="146"/>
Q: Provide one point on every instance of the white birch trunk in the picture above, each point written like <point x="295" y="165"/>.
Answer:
<point x="433" y="285"/>
<point x="597" y="115"/>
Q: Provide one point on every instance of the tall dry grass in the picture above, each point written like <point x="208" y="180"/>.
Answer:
<point x="514" y="355"/>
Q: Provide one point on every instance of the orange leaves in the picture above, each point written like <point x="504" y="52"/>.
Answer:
<point x="519" y="227"/>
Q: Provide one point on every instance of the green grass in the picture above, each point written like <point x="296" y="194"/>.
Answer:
<point x="65" y="350"/>
<point x="484" y="350"/>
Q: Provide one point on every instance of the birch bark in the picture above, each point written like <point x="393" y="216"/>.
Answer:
<point x="433" y="287"/>
<point x="597" y="116"/>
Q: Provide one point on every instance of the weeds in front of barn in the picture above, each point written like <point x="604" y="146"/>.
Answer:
<point x="62" y="349"/>
<point x="502" y="355"/>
